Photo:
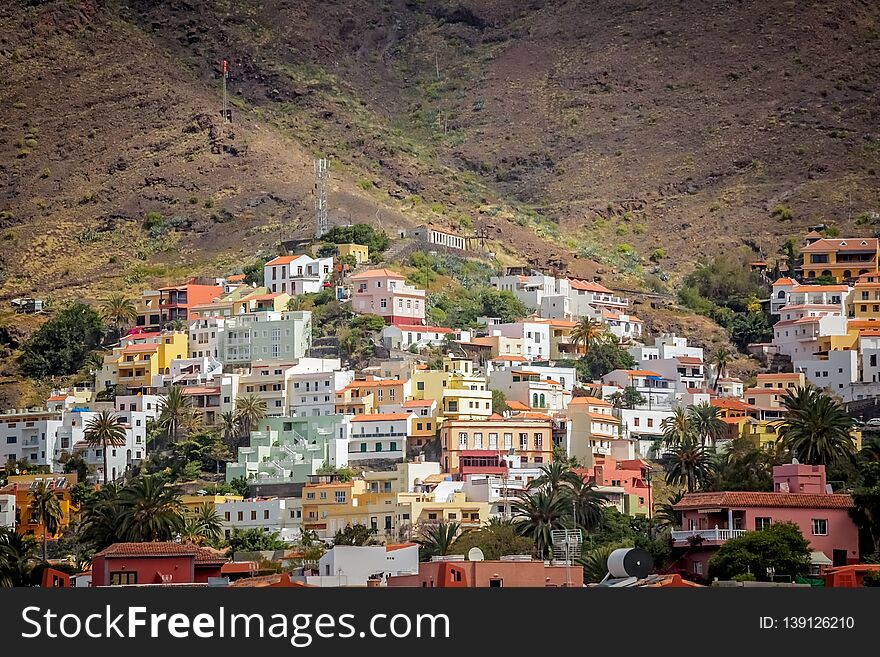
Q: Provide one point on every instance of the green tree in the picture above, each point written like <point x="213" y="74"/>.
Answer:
<point x="779" y="549"/>
<point x="119" y="311"/>
<point x="437" y="539"/>
<point x="364" y="234"/>
<point x="538" y="513"/>
<point x="666" y="514"/>
<point x="149" y="510"/>
<point x="202" y="525"/>
<point x="76" y="464"/>
<point x="105" y="430"/>
<point x="249" y="410"/>
<point x="256" y="539"/>
<point x="495" y="540"/>
<point x="747" y="328"/>
<point x="707" y="424"/>
<point x="60" y="346"/>
<point x="588" y="333"/>
<point x="721" y="358"/>
<point x="603" y="358"/>
<point x="239" y="486"/>
<point x="689" y="466"/>
<point x="174" y="409"/>
<point x="367" y="322"/>
<point x="356" y="534"/>
<point x="100" y="514"/>
<point x="677" y="428"/>
<point x="742" y="465"/>
<point x="815" y="429"/>
<point x="46" y="508"/>
<point x="253" y="272"/>
<point x="499" y="402"/>
<point x="629" y="398"/>
<point x="18" y="553"/>
<point x="554" y="477"/>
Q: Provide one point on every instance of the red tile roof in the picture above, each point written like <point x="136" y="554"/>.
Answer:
<point x="751" y="499"/>
<point x="201" y="390"/>
<point x="235" y="278"/>
<point x="152" y="346"/>
<point x="593" y="401"/>
<point x="849" y="244"/>
<point x="417" y="403"/>
<point x="378" y="417"/>
<point x="730" y="403"/>
<point x="689" y="360"/>
<point x="424" y="329"/>
<point x="512" y="359"/>
<point x="162" y="549"/>
<point x="399" y="546"/>
<point x="283" y="260"/>
<point x="588" y="286"/>
<point x="514" y="405"/>
<point x="785" y="281"/>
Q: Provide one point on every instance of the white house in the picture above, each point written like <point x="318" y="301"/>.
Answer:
<point x="655" y="388"/>
<point x="622" y="325"/>
<point x="314" y="393"/>
<point x="379" y="436"/>
<point x="439" y="236"/>
<point x="205" y="337"/>
<point x="404" y="336"/>
<point x="782" y="287"/>
<point x="535" y="337"/>
<point x="265" y="335"/>
<point x="667" y="345"/>
<point x="353" y="565"/>
<point x="798" y="337"/>
<point x="276" y="514"/>
<point x="297" y="274"/>
<point x="837" y="371"/>
<point x="527" y="386"/>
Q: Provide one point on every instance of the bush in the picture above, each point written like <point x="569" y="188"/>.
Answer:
<point x="365" y="234"/>
<point x="253" y="272"/>
<point x="780" y="547"/>
<point x="782" y="212"/>
<point x="727" y="280"/>
<point x="368" y="322"/>
<point x="60" y="346"/>
<point x="744" y="577"/>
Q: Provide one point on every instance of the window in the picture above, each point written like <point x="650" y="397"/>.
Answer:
<point x="340" y="497"/>
<point x="121" y="578"/>
<point x="478" y="440"/>
<point x="698" y="567"/>
<point x="493" y="441"/>
<point x="539" y="440"/>
<point x="820" y="527"/>
<point x="226" y="516"/>
<point x="266" y="514"/>
<point x="253" y="515"/>
<point x="523" y="441"/>
<point x="420" y="385"/>
<point x="635" y="421"/>
<point x="323" y="495"/>
<point x="650" y="422"/>
<point x="432" y="516"/>
<point x="762" y="523"/>
<point x="462" y="439"/>
<point x="508" y="440"/>
<point x="240" y="516"/>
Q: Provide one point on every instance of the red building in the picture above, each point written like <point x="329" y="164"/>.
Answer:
<point x="800" y="496"/>
<point x="631" y="475"/>
<point x="155" y="563"/>
<point x="175" y="301"/>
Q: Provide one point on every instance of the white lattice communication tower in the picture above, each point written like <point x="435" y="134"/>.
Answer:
<point x="322" y="173"/>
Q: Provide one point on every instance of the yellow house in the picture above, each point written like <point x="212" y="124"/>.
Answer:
<point x="423" y="509"/>
<point x="360" y="252"/>
<point x="366" y="396"/>
<point x="195" y="502"/>
<point x="865" y="299"/>
<point x="424" y="428"/>
<point x="841" y="259"/>
<point x="141" y="357"/>
<point x="561" y="346"/>
<point x="148" y="311"/>
<point x="22" y="486"/>
<point x="379" y="502"/>
<point x="329" y="505"/>
<point x="459" y="395"/>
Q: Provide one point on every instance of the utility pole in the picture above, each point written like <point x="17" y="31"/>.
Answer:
<point x="322" y="173"/>
<point x="225" y="102"/>
<point x="437" y="65"/>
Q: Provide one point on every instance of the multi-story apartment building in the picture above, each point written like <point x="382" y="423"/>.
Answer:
<point x="385" y="293"/>
<point x="381" y="436"/>
<point x="527" y="435"/>
<point x="265" y="336"/>
<point x="140" y="357"/>
<point x="297" y="274"/>
<point x="205" y="336"/>
<point x="281" y="515"/>
<point x="158" y="307"/>
<point x="841" y="259"/>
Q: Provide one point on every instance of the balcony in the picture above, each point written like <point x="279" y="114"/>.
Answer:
<point x="715" y="534"/>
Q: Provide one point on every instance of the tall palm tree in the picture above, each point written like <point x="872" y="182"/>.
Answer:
<point x="554" y="476"/>
<point x="193" y="421"/>
<point x="105" y="430"/>
<point x="150" y="510"/>
<point x="689" y="466"/>
<point x="815" y="429"/>
<point x="706" y="422"/>
<point x="176" y="325"/>
<point x="436" y="539"/>
<point x="45" y="508"/>
<point x="587" y="504"/>
<point x="228" y="425"/>
<point x="94" y="361"/>
<point x="249" y="410"/>
<point x="677" y="428"/>
<point x="119" y="311"/>
<point x="17" y="556"/>
<point x="537" y="514"/>
<point x="720" y="360"/>
<point x="295" y="303"/>
<point x="99" y="518"/>
<point x="173" y="411"/>
<point x="587" y="333"/>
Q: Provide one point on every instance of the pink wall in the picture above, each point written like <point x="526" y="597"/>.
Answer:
<point x="516" y="574"/>
<point x="181" y="568"/>
<point x="370" y="301"/>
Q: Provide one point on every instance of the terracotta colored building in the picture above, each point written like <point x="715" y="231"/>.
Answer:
<point x="491" y="574"/>
<point x="155" y="563"/>
<point x="528" y="435"/>
<point x="158" y="307"/>
<point x="800" y="496"/>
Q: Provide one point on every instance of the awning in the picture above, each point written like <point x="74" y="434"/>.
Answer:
<point x="819" y="558"/>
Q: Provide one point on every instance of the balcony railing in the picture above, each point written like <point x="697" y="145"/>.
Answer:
<point x="714" y="534"/>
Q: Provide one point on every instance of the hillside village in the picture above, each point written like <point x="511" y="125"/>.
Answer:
<point x="325" y="419"/>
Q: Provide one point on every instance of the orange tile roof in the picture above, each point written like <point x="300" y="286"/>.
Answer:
<point x="416" y="403"/>
<point x="849" y="244"/>
<point x="399" y="546"/>
<point x="512" y="359"/>
<point x="642" y="373"/>
<point x="379" y="383"/>
<point x="552" y="382"/>
<point x="604" y="418"/>
<point x="378" y="273"/>
<point x="517" y="406"/>
<point x="731" y="404"/>
<point x="593" y="401"/>
<point x="779" y="375"/>
<point x="235" y="278"/>
<point x="283" y="260"/>
<point x="752" y="499"/>
<point x="820" y="288"/>
<point x="785" y="281"/>
<point x="57" y="398"/>
<point x="161" y="549"/>
<point x="689" y="360"/>
<point x="588" y="286"/>
<point x="201" y="390"/>
<point x="525" y="373"/>
<point x="530" y="415"/>
<point x="378" y="417"/>
<point x="150" y="346"/>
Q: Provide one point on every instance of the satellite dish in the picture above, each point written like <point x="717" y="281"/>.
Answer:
<point x="630" y="562"/>
<point x="475" y="554"/>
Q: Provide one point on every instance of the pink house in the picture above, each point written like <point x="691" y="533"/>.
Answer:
<point x="384" y="292"/>
<point x="800" y="496"/>
<point x="631" y="475"/>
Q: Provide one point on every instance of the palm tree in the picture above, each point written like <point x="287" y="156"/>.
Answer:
<point x="586" y="502"/>
<point x="437" y="539"/>
<point x="228" y="425"/>
<point x="119" y="311"/>
<point x="149" y="510"/>
<point x="815" y="429"/>
<point x="99" y="522"/>
<point x="720" y="360"/>
<point x="587" y="333"/>
<point x="105" y="430"/>
<point x="689" y="466"/>
<point x="193" y="421"/>
<point x="677" y="428"/>
<point x="46" y="510"/>
<point x="595" y="563"/>
<point x="707" y="424"/>
<point x="17" y="555"/>
<point x="554" y="476"/>
<point x="173" y="411"/>
<point x="202" y="525"/>
<point x="249" y="410"/>
<point x="666" y="514"/>
<point x="94" y="361"/>
<point x="537" y="514"/>
<point x="295" y="303"/>
<point x="176" y="325"/>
